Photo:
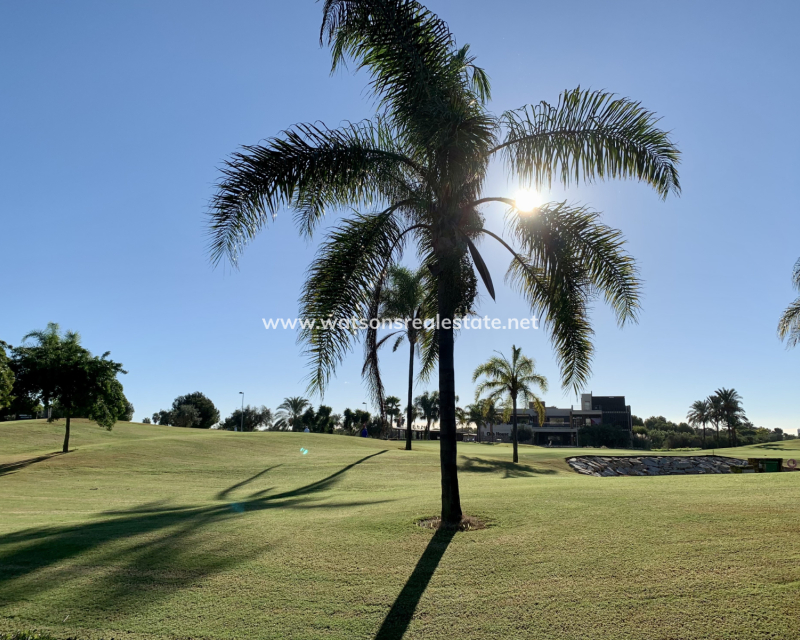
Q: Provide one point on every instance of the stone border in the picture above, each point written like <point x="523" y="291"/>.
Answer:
<point x="607" y="466"/>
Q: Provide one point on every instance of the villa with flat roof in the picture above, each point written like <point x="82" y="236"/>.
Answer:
<point x="561" y="426"/>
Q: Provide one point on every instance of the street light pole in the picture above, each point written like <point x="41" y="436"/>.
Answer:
<point x="241" y="428"/>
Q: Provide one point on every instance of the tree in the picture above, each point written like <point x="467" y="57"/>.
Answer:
<point x="508" y="380"/>
<point x="392" y="407"/>
<point x="419" y="168"/>
<point x="731" y="411"/>
<point x="254" y="419"/>
<point x="405" y="299"/>
<point x="145" y="420"/>
<point x="716" y="414"/>
<point x="6" y="378"/>
<point x="491" y="415"/>
<point x="353" y="420"/>
<point x="186" y="415"/>
<point x="163" y="417"/>
<point x="290" y="412"/>
<point x="428" y="407"/>
<point x="789" y="325"/>
<point x="57" y="371"/>
<point x="700" y="414"/>
<point x="129" y="411"/>
<point x="475" y="416"/>
<point x="207" y="413"/>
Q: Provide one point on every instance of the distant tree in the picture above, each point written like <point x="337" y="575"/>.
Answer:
<point x="789" y="325"/>
<point x="57" y="371"/>
<point x="404" y="298"/>
<point x="637" y="421"/>
<point x="475" y="416"/>
<point x="6" y="377"/>
<point x="731" y="411"/>
<point x="700" y="414"/>
<point x="255" y="418"/>
<point x="353" y="420"/>
<point x="392" y="408"/>
<point x="129" y="411"/>
<point x="146" y="420"/>
<point x="208" y="414"/>
<point x="186" y="415"/>
<point x="716" y="414"/>
<point x="164" y="417"/>
<point x="290" y="412"/>
<point x="509" y="379"/>
<point x="428" y="406"/>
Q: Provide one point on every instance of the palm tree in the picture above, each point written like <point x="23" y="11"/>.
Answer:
<point x="428" y="407"/>
<point x="730" y="405"/>
<point x="418" y="170"/>
<point x="290" y="412"/>
<point x="508" y="380"/>
<point x="491" y="415"/>
<point x="789" y="326"/>
<point x="392" y="407"/>
<point x="715" y="414"/>
<point x="474" y="415"/>
<point x="404" y="298"/>
<point x="700" y="414"/>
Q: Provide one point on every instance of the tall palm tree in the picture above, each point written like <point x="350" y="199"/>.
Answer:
<point x="789" y="326"/>
<point x="290" y="411"/>
<point x="715" y="414"/>
<point x="491" y="415"/>
<point x="730" y="403"/>
<point x="508" y="380"/>
<point x="700" y="414"/>
<point x="418" y="170"/>
<point x="428" y="408"/>
<point x="405" y="299"/>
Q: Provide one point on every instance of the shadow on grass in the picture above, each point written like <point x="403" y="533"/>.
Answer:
<point x="11" y="467"/>
<point x="506" y="467"/>
<point x="399" y="617"/>
<point x="135" y="557"/>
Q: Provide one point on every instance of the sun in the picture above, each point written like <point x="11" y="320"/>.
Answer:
<point x="527" y="200"/>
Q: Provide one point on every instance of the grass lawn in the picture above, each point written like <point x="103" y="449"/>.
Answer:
<point x="149" y="531"/>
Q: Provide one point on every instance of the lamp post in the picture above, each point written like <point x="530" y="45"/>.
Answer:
<point x="241" y="428"/>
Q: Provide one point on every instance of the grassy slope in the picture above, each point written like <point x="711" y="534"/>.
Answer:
<point x="151" y="531"/>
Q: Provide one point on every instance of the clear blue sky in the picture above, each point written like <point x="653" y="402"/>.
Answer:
<point x="115" y="118"/>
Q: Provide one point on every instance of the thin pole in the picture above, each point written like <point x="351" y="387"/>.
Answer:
<point x="241" y="428"/>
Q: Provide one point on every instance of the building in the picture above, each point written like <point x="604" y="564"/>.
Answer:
<point x="561" y="426"/>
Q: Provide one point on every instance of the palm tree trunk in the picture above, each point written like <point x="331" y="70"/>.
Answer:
<point x="410" y="409"/>
<point x="451" y="500"/>
<point x="65" y="448"/>
<point x="514" y="426"/>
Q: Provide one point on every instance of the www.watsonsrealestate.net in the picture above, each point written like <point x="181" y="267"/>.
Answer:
<point x="358" y="324"/>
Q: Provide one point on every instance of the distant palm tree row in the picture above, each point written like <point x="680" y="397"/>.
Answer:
<point x="723" y="407"/>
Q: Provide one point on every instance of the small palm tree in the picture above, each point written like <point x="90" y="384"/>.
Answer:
<point x="418" y="169"/>
<point x="730" y="404"/>
<point x="491" y="415"/>
<point x="508" y="380"/>
<point x="290" y="411"/>
<point x="700" y="414"/>
<point x="474" y="415"/>
<point x="428" y="407"/>
<point x="789" y="326"/>
<point x="405" y="299"/>
<point x="715" y="413"/>
<point x="392" y="408"/>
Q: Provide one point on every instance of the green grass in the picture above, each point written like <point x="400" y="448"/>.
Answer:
<point x="150" y="531"/>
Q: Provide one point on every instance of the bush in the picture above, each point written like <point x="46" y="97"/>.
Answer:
<point x="524" y="434"/>
<point x="604" y="435"/>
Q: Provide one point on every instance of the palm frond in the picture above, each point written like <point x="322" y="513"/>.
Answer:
<point x="558" y="229"/>
<point x="309" y="168"/>
<point x="588" y="135"/>
<point x="789" y="326"/>
<point x="339" y="288"/>
<point x="562" y="304"/>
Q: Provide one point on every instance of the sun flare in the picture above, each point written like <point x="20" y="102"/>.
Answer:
<point x="527" y="200"/>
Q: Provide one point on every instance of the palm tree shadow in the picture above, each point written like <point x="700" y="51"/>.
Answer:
<point x="152" y="544"/>
<point x="400" y="615"/>
<point x="507" y="468"/>
<point x="11" y="467"/>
